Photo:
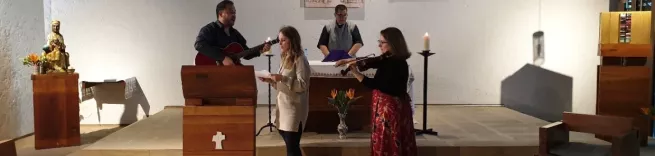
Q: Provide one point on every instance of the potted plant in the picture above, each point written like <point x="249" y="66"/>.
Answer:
<point x="33" y="60"/>
<point x="342" y="100"/>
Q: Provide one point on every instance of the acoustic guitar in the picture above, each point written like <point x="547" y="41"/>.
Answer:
<point x="233" y="50"/>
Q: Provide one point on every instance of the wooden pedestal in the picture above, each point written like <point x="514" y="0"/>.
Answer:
<point x="203" y="125"/>
<point x="56" y="110"/>
<point x="323" y="117"/>
<point x="7" y="148"/>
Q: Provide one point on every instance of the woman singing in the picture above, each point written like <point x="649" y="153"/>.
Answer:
<point x="393" y="130"/>
<point x="292" y="84"/>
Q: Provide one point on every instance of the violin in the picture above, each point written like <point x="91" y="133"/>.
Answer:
<point x="364" y="63"/>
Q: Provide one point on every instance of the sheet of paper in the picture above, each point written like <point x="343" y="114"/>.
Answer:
<point x="320" y="63"/>
<point x="263" y="73"/>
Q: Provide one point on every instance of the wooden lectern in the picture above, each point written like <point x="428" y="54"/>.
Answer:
<point x="624" y="78"/>
<point x="219" y="111"/>
<point x="56" y="110"/>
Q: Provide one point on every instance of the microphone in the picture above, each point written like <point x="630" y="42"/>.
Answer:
<point x="345" y="71"/>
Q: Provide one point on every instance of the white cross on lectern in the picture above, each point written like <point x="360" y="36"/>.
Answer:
<point x="218" y="138"/>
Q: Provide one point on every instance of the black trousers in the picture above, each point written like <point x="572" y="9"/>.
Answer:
<point x="292" y="140"/>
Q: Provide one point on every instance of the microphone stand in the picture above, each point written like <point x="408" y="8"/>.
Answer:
<point x="425" y="130"/>
<point x="269" y="124"/>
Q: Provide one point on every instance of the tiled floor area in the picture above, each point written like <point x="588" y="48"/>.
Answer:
<point x="464" y="130"/>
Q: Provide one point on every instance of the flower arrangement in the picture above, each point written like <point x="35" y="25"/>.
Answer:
<point x="649" y="112"/>
<point x="341" y="99"/>
<point x="32" y="60"/>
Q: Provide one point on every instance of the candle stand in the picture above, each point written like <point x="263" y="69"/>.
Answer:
<point x="269" y="124"/>
<point x="425" y="130"/>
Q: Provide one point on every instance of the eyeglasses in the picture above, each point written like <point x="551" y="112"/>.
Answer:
<point x="381" y="42"/>
<point x="341" y="15"/>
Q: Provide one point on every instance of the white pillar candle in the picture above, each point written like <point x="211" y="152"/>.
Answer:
<point x="426" y="41"/>
<point x="269" y="50"/>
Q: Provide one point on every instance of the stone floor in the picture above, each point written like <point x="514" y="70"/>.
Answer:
<point x="89" y="135"/>
<point x="464" y="130"/>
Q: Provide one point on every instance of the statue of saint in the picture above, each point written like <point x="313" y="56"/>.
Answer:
<point x="55" y="51"/>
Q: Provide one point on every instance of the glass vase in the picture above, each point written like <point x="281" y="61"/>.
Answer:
<point x="36" y="70"/>
<point x="342" y="128"/>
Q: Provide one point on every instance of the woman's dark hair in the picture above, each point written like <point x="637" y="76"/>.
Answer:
<point x="396" y="41"/>
<point x="295" y="46"/>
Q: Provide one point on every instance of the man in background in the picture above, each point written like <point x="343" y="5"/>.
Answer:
<point x="217" y="35"/>
<point x="340" y="37"/>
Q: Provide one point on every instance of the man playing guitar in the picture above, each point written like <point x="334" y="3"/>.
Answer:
<point x="217" y="40"/>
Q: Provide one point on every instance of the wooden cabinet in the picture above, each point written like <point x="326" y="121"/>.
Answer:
<point x="624" y="78"/>
<point x="56" y="110"/>
<point x="622" y="91"/>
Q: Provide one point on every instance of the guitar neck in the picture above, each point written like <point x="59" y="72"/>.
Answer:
<point x="250" y="51"/>
<point x="255" y="49"/>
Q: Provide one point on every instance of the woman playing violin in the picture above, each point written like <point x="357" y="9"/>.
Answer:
<point x="393" y="129"/>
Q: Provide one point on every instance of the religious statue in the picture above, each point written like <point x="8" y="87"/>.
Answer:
<point x="56" y="57"/>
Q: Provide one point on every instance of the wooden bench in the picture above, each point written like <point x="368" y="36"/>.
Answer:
<point x="554" y="138"/>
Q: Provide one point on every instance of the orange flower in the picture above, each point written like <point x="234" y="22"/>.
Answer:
<point x="334" y="93"/>
<point x="646" y="111"/>
<point x="33" y="58"/>
<point x="350" y="93"/>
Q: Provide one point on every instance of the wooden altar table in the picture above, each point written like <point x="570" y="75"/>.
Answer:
<point x="322" y="116"/>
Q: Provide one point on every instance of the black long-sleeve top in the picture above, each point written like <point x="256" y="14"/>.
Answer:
<point x="390" y="78"/>
<point x="212" y="38"/>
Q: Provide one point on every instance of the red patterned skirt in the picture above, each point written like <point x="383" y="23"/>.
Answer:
<point x="393" y="127"/>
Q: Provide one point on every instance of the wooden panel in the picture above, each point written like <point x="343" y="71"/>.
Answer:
<point x="610" y="26"/>
<point x="323" y="117"/>
<point x="614" y="27"/>
<point x="56" y="110"/>
<point x="202" y="123"/>
<point x="647" y="22"/>
<point x="225" y="153"/>
<point x="605" y="27"/>
<point x="641" y="27"/>
<point x="598" y="124"/>
<point x="622" y="91"/>
<point x="552" y="135"/>
<point x="218" y="82"/>
<point x="229" y="101"/>
<point x="7" y="148"/>
<point x="192" y="102"/>
<point x="639" y="34"/>
<point x="626" y="50"/>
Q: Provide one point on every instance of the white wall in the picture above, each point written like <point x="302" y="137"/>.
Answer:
<point x="21" y="32"/>
<point x="478" y="42"/>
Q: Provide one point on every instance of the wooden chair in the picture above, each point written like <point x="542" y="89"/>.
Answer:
<point x="7" y="148"/>
<point x="554" y="138"/>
